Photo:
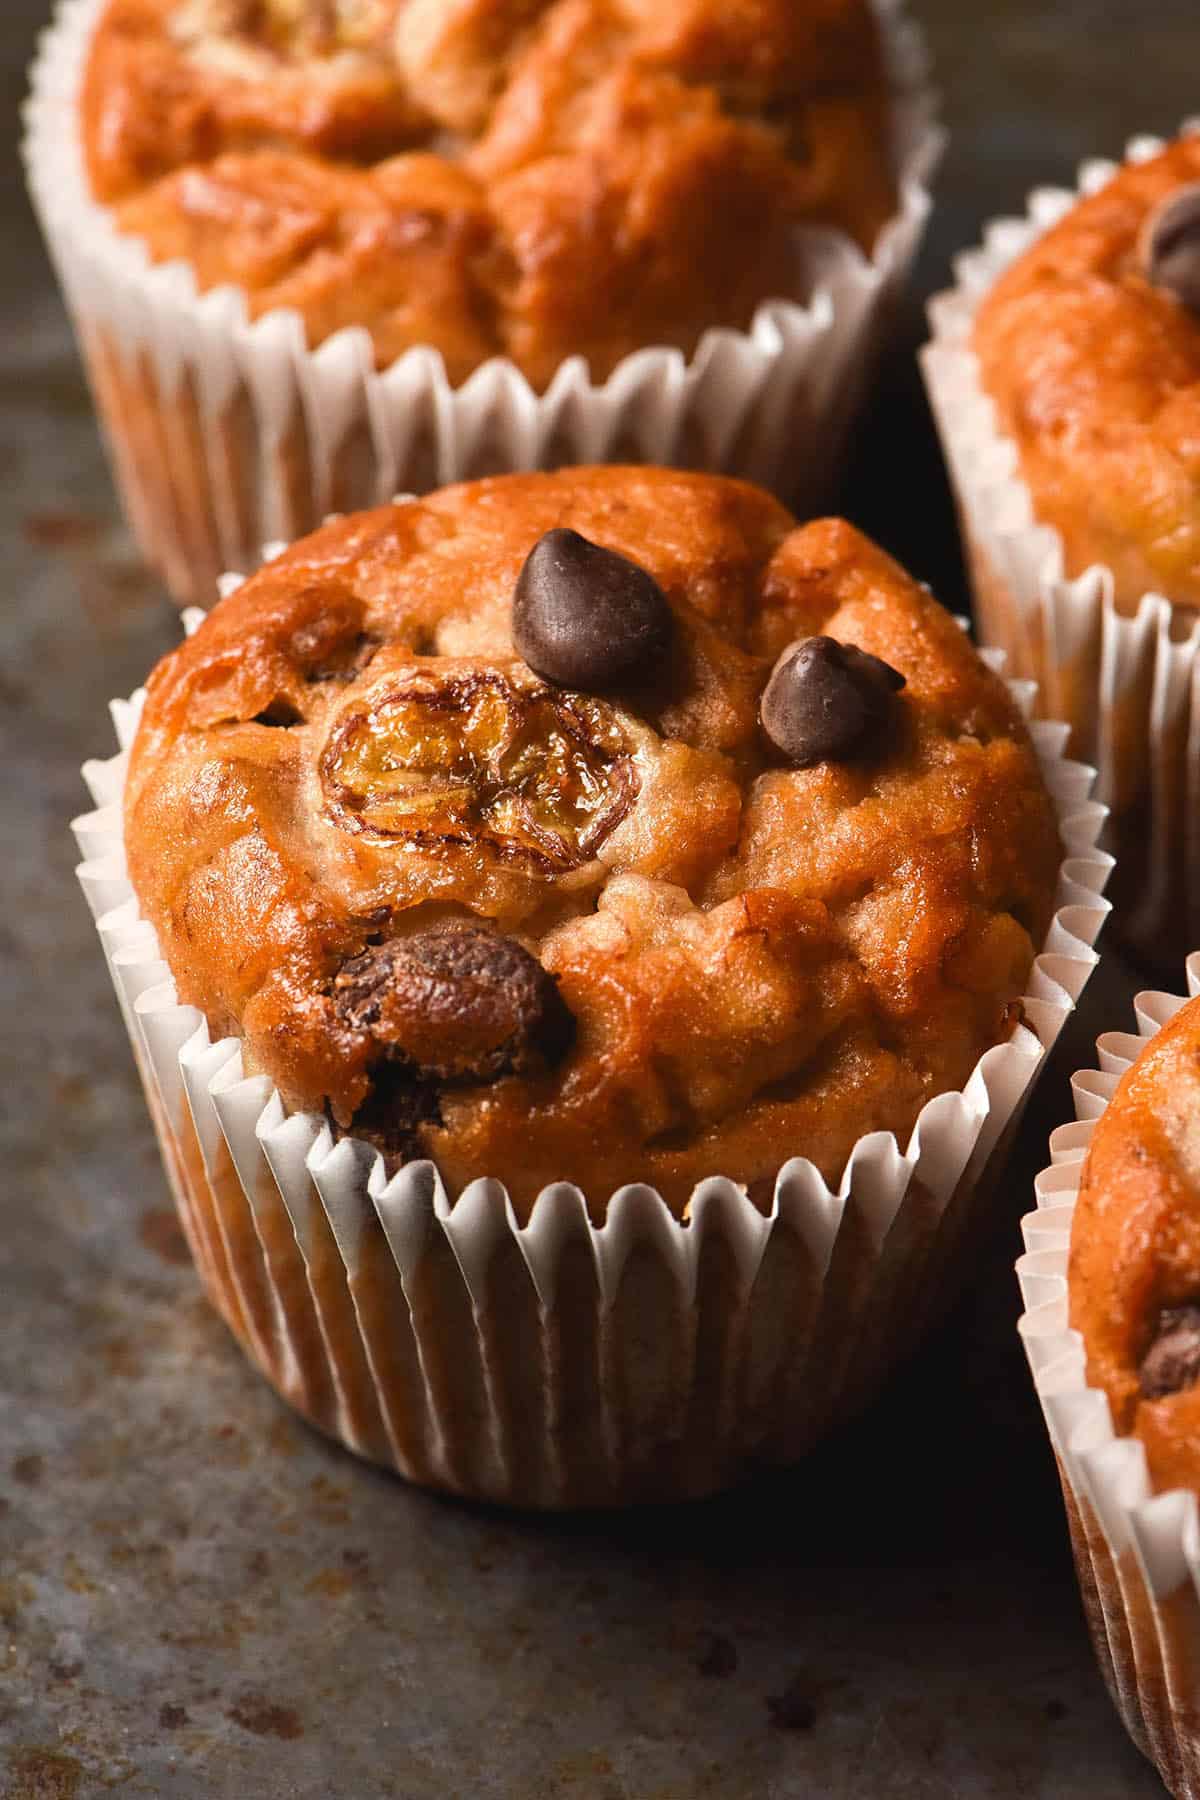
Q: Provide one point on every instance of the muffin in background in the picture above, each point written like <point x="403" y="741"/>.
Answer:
<point x="321" y="255"/>
<point x="1065" y="376"/>
<point x="543" y="870"/>
<point x="1089" y="348"/>
<point x="1112" y="1287"/>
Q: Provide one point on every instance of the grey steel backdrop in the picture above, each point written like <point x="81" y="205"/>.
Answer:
<point x="197" y="1597"/>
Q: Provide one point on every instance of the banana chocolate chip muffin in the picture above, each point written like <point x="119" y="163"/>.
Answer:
<point x="603" y="826"/>
<point x="1089" y="346"/>
<point x="533" y="179"/>
<point x="1135" y="1253"/>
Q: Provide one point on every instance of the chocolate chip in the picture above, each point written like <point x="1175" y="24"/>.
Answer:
<point x="456" y="1003"/>
<point x="1173" y="1359"/>
<point x="827" y="702"/>
<point x="1168" y="245"/>
<point x="584" y="617"/>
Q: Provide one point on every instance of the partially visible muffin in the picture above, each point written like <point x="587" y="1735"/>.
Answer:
<point x="1089" y="346"/>
<point x="533" y="179"/>
<point x="603" y="826"/>
<point x="1135" y="1253"/>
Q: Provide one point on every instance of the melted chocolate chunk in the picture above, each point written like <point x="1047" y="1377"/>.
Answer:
<point x="1169" y="245"/>
<point x="828" y="702"/>
<point x="1173" y="1360"/>
<point x="456" y="1004"/>
<point x="399" y="1102"/>
<point x="584" y="617"/>
<point x="281" y="715"/>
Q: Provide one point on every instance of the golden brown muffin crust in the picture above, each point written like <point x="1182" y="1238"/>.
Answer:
<point x="760" y="960"/>
<point x="523" y="178"/>
<point x="1095" y="374"/>
<point x="1135" y="1249"/>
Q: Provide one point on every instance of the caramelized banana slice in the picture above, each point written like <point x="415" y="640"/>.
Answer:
<point x="473" y="758"/>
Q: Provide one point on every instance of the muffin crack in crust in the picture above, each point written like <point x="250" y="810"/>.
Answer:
<point x="699" y="938"/>
<point x="527" y="178"/>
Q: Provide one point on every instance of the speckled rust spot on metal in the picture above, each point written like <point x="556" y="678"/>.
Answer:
<point x="265" y="1718"/>
<point x="160" y="1232"/>
<point x="173" y="1718"/>
<point x="36" y="1774"/>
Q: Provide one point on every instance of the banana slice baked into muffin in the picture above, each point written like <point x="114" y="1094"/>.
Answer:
<point x="603" y="826"/>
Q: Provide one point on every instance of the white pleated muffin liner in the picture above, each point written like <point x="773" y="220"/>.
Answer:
<point x="226" y="433"/>
<point x="1137" y="1551"/>
<point x="564" y="1362"/>
<point x="1128" y="685"/>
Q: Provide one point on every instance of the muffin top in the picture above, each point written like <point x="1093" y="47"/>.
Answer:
<point x="1135" y="1252"/>
<point x="1089" y="345"/>
<point x="523" y="178"/>
<point x="602" y="826"/>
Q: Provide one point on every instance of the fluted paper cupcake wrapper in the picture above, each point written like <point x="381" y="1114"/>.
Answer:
<point x="563" y="1362"/>
<point x="1128" y="685"/>
<point x="1137" y="1552"/>
<point x="227" y="433"/>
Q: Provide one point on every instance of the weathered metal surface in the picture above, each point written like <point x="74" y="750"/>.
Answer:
<point x="197" y="1597"/>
